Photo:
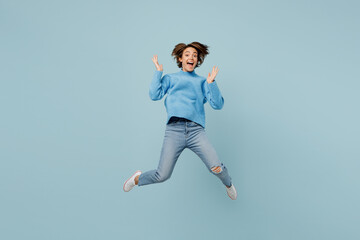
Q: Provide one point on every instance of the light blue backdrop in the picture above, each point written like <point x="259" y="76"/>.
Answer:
<point x="76" y="120"/>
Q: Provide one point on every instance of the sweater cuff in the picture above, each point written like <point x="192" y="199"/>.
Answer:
<point x="213" y="85"/>
<point x="157" y="75"/>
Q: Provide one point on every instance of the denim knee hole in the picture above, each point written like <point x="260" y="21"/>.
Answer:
<point x="216" y="169"/>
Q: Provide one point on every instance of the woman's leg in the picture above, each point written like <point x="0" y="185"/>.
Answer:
<point x="173" y="145"/>
<point x="199" y="143"/>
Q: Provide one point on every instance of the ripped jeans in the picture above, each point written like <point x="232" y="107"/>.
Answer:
<point x="179" y="135"/>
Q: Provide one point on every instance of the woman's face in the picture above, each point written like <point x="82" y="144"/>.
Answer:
<point x="189" y="59"/>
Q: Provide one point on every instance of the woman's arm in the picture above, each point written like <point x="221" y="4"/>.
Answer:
<point x="159" y="85"/>
<point x="212" y="92"/>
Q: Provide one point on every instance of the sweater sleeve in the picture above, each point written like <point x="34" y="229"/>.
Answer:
<point x="213" y="95"/>
<point x="159" y="86"/>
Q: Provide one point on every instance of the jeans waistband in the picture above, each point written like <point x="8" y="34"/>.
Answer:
<point x="177" y="119"/>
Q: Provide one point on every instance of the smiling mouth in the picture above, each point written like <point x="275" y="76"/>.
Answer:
<point x="190" y="64"/>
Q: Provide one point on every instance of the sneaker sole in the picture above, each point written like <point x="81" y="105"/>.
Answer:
<point x="130" y="178"/>
<point x="231" y="198"/>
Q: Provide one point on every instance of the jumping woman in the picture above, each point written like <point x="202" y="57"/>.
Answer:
<point x="187" y="93"/>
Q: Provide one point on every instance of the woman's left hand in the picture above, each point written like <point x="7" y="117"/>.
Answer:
<point x="211" y="77"/>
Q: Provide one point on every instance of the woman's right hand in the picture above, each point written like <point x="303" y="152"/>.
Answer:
<point x="158" y="67"/>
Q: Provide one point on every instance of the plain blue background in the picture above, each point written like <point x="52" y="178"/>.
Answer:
<point x="77" y="121"/>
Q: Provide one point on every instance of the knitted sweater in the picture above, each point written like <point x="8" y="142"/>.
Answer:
<point x="187" y="93"/>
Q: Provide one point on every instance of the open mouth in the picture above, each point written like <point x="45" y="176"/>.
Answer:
<point x="190" y="64"/>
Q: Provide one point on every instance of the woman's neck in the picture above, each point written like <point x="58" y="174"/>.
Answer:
<point x="192" y="72"/>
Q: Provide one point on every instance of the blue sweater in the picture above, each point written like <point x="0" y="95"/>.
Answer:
<point x="187" y="93"/>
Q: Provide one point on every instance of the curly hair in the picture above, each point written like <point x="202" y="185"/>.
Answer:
<point x="201" y="49"/>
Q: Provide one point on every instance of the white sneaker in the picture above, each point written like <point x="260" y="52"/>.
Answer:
<point x="130" y="183"/>
<point x="231" y="191"/>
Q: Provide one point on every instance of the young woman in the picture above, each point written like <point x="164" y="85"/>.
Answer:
<point x="187" y="93"/>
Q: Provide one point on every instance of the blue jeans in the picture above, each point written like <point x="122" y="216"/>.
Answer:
<point x="178" y="136"/>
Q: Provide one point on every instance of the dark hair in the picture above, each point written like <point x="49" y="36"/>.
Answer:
<point x="201" y="49"/>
